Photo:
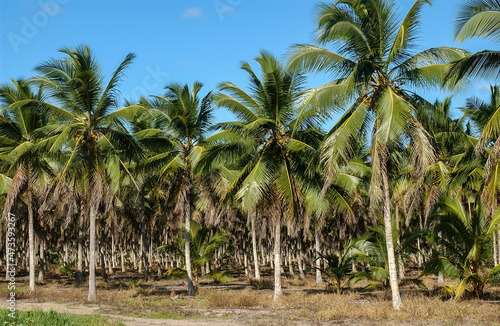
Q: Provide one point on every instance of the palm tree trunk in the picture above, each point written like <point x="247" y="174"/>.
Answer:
<point x="110" y="264"/>
<point x="317" y="248"/>
<point x="498" y="245"/>
<point x="79" y="273"/>
<point x="420" y="256"/>
<point x="113" y="249"/>
<point x="150" y="256"/>
<point x="66" y="253"/>
<point x="141" y="249"/>
<point x="187" y="247"/>
<point x="26" y="256"/>
<point x="143" y="234"/>
<point x="92" y="235"/>
<point x="495" y="254"/>
<point x="101" y="251"/>
<point x="290" y="262"/>
<point x="397" y="303"/>
<point x="254" y="246"/>
<point x="245" y="258"/>
<point x="41" y="272"/>
<point x="299" y="259"/>
<point x="440" y="278"/>
<point x="134" y="259"/>
<point x="31" y="237"/>
<point x="277" y="258"/>
<point x="401" y="266"/>
<point x="122" y="259"/>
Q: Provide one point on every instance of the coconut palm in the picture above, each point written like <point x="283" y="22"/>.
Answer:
<point x="202" y="247"/>
<point x="182" y="121"/>
<point x="90" y="127"/>
<point x="485" y="119"/>
<point x="32" y="172"/>
<point x="271" y="144"/>
<point x="371" y="249"/>
<point x="339" y="267"/>
<point x="483" y="116"/>
<point x="465" y="232"/>
<point x="375" y="67"/>
<point x="481" y="18"/>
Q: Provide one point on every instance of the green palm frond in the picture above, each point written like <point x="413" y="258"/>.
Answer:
<point x="313" y="58"/>
<point x="394" y="113"/>
<point x="109" y="98"/>
<point x="483" y="65"/>
<point x="256" y="183"/>
<point x="443" y="265"/>
<point x="406" y="33"/>
<point x="339" y="143"/>
<point x="478" y="18"/>
<point x="128" y="113"/>
<point x="5" y="183"/>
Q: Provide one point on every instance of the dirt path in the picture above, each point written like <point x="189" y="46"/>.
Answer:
<point x="128" y="321"/>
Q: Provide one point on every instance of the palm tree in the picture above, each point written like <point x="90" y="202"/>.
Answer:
<point x="202" y="247"/>
<point x="465" y="232"/>
<point x="271" y="145"/>
<point x="485" y="119"/>
<point x="375" y="67"/>
<point x="182" y="122"/>
<point x="450" y="142"/>
<point x="371" y="249"/>
<point x="22" y="117"/>
<point x="339" y="266"/>
<point x="90" y="127"/>
<point x="481" y="18"/>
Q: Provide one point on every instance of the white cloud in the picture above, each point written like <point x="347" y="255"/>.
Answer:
<point x="192" y="13"/>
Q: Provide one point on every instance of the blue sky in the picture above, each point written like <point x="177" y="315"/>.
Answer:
<point x="183" y="41"/>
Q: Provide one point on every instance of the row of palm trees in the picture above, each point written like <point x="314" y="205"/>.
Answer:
<point x="76" y="162"/>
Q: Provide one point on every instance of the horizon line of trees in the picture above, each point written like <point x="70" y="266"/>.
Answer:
<point x="396" y="182"/>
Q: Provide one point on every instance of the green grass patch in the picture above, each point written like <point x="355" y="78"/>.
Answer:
<point x="52" y="318"/>
<point x="18" y="288"/>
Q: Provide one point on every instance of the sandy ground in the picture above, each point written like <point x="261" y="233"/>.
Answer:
<point x="237" y="317"/>
<point x="129" y="321"/>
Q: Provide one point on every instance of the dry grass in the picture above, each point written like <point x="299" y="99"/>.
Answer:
<point x="303" y="302"/>
<point x="247" y="298"/>
<point x="359" y="308"/>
